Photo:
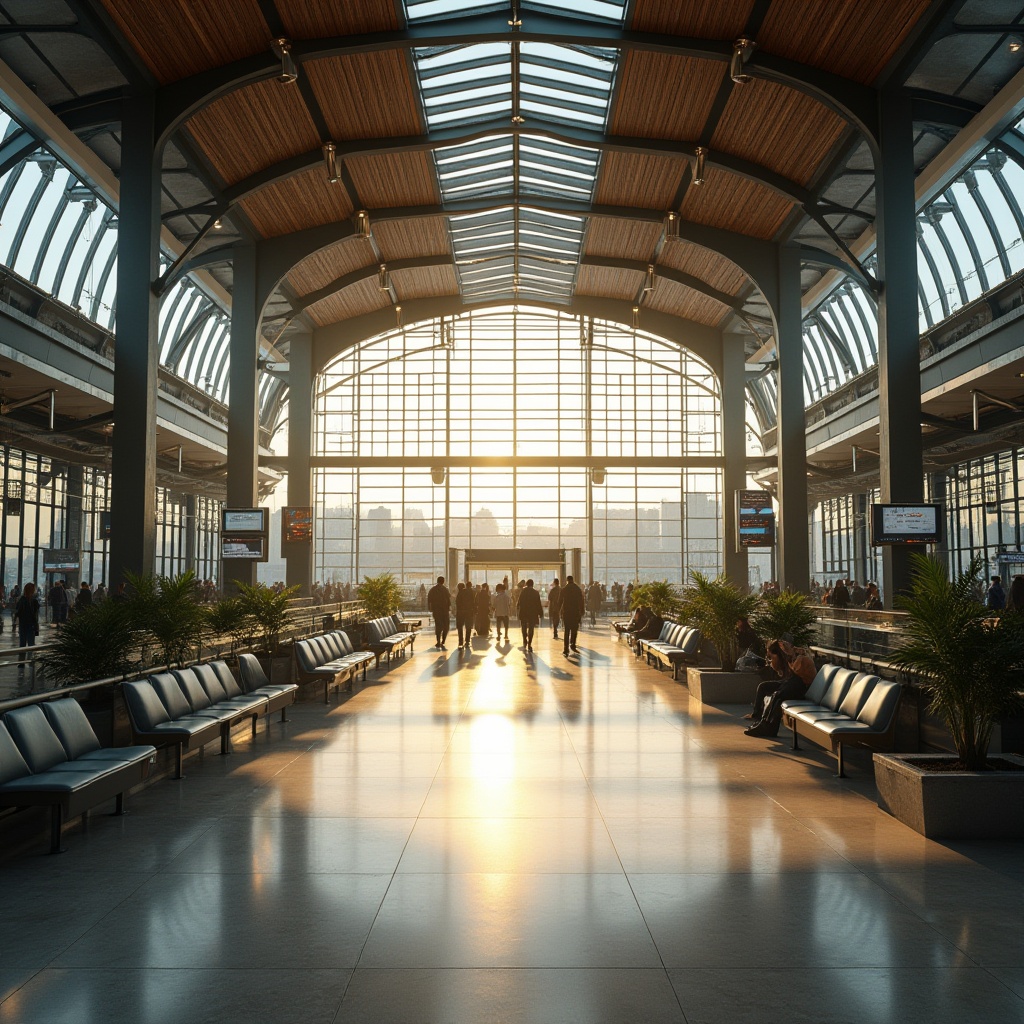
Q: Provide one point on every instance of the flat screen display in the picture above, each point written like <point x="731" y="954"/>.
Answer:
<point x="297" y="524"/>
<point x="906" y="524"/>
<point x="61" y="560"/>
<point x="243" y="520"/>
<point x="104" y="526"/>
<point x="755" y="520"/>
<point x="247" y="548"/>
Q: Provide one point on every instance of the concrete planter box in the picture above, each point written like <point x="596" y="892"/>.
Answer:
<point x="951" y="805"/>
<point x="713" y="686"/>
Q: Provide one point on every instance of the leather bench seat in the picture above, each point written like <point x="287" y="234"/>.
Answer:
<point x="676" y="645"/>
<point x="386" y="636"/>
<point x="279" y="696"/>
<point x="332" y="658"/>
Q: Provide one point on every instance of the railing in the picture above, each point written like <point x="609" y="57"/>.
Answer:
<point x="861" y="638"/>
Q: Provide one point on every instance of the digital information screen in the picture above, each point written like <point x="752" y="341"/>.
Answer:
<point x="246" y="548"/>
<point x="755" y="520"/>
<point x="104" y="526"/>
<point x="297" y="524"/>
<point x="243" y="520"/>
<point x="906" y="524"/>
<point x="61" y="560"/>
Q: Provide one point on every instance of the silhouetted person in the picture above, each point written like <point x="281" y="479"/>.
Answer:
<point x="502" y="609"/>
<point x="439" y="601"/>
<point x="531" y="611"/>
<point x="465" y="608"/>
<point x="555" y="606"/>
<point x="572" y="614"/>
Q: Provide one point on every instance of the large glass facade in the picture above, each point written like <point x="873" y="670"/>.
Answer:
<point x="519" y="407"/>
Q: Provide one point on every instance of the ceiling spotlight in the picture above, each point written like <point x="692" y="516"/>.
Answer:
<point x="518" y="119"/>
<point x="699" y="166"/>
<point x="741" y="51"/>
<point x="217" y="224"/>
<point x="636" y="317"/>
<point x="282" y="48"/>
<point x="671" y="226"/>
<point x="384" y="278"/>
<point x="398" y="316"/>
<point x="649" y="283"/>
<point x="363" y="224"/>
<point x="330" y="151"/>
<point x="1014" y="44"/>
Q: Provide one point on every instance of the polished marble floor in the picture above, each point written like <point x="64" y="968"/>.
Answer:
<point x="496" y="836"/>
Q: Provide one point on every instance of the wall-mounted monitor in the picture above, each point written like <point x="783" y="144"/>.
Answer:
<point x="244" y="520"/>
<point x="61" y="560"/>
<point x="906" y="524"/>
<point x="103" y="532"/>
<point x="244" y="547"/>
<point x="755" y="520"/>
<point x="297" y="524"/>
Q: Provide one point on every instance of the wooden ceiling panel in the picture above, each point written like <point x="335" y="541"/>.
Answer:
<point x="327" y="265"/>
<point x="178" y="38"/>
<point x="710" y="267"/>
<point x="357" y="299"/>
<point x="627" y="239"/>
<point x="405" y="239"/>
<point x="726" y="201"/>
<point x="425" y="283"/>
<point x="271" y="112"/>
<point x="779" y="128"/>
<point x="677" y="299"/>
<point x="665" y="97"/>
<point x="639" y="179"/>
<point x="304" y="201"/>
<point x="699" y="19"/>
<point x="320" y="19"/>
<point x="852" y="38"/>
<point x="395" y="179"/>
<point x="366" y="95"/>
<point x="609" y="283"/>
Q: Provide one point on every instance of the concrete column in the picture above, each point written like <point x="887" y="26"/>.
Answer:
<point x="74" y="522"/>
<point x="861" y="538"/>
<point x="133" y="461"/>
<point x="191" y="531"/>
<point x="899" y="358"/>
<point x="299" y="557"/>
<point x="734" y="449"/>
<point x="243" y="400"/>
<point x="791" y="438"/>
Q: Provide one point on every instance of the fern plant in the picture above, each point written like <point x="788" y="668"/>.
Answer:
<point x="268" y="611"/>
<point x="658" y="595"/>
<point x="98" y="643"/>
<point x="380" y="595"/>
<point x="971" y="666"/>
<point x="232" y="619"/>
<point x="784" y="614"/>
<point x="714" y="605"/>
<point x="166" y="609"/>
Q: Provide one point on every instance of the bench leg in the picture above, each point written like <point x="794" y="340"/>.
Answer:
<point x="284" y="715"/>
<point x="56" y="823"/>
<point x="254" y="718"/>
<point x="119" y="804"/>
<point x="796" y="739"/>
<point x="841" y="774"/>
<point x="327" y="690"/>
<point x="225" y="739"/>
<point x="179" y="757"/>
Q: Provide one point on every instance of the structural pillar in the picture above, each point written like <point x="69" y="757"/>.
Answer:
<point x="794" y="567"/>
<point x="899" y="358"/>
<point x="734" y="450"/>
<point x="74" y="522"/>
<point x="133" y="458"/>
<point x="243" y="401"/>
<point x="299" y="556"/>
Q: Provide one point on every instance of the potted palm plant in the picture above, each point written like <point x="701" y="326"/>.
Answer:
<point x="166" y="611"/>
<point x="380" y="595"/>
<point x="714" y="606"/>
<point x="658" y="595"/>
<point x="784" y="615"/>
<point x="972" y="668"/>
<point x="268" y="611"/>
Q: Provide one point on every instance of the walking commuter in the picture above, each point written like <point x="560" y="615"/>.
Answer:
<point x="83" y="599"/>
<point x="555" y="606"/>
<point x="465" y="609"/>
<point x="572" y="614"/>
<point x="483" y="611"/>
<point x="502" y="609"/>
<point x="1015" y="599"/>
<point x="26" y="613"/>
<point x="531" y="611"/>
<point x="439" y="602"/>
<point x="595" y="601"/>
<point x="58" y="602"/>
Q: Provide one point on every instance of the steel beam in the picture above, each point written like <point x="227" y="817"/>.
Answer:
<point x="793" y="562"/>
<point x="734" y="449"/>
<point x="299" y="556"/>
<point x="133" y="456"/>
<point x="899" y="353"/>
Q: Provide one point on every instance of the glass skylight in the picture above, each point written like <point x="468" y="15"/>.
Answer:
<point x="592" y="10"/>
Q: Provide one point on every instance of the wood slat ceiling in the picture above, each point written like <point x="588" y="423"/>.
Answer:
<point x="638" y="179"/>
<point x="609" y="283"/>
<point x="707" y="266"/>
<point x="778" y="128"/>
<point x="672" y="297"/>
<point x="366" y="95"/>
<point x="253" y="128"/>
<point x="852" y="38"/>
<point x="297" y="203"/>
<point x="356" y="300"/>
<point x="327" y="265"/>
<point x="629" y="239"/>
<point x="424" y="236"/>
<point x="729" y="202"/>
<point x="317" y="19"/>
<point x="699" y="19"/>
<point x="397" y="179"/>
<point x="178" y="38"/>
<point x="686" y="90"/>
<point x="425" y="283"/>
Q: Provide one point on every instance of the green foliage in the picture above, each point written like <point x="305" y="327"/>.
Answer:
<point x="380" y="595"/>
<point x="231" y="618"/>
<point x="784" y="613"/>
<point x="166" y="610"/>
<point x="96" y="643"/>
<point x="658" y="595"/>
<point x="973" y="669"/>
<point x="267" y="610"/>
<point x="714" y="606"/>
